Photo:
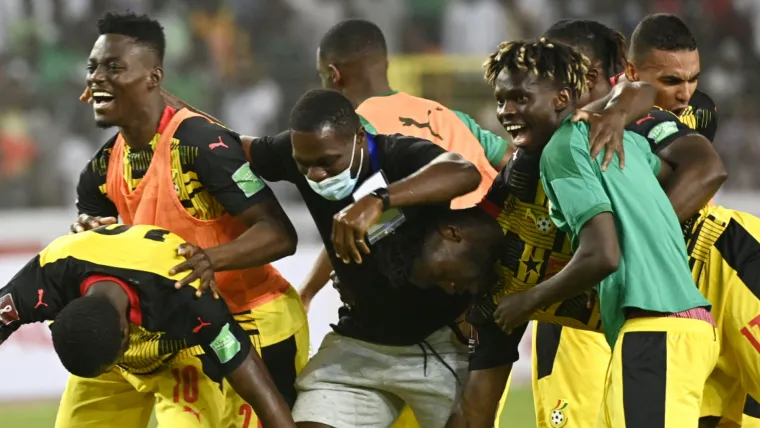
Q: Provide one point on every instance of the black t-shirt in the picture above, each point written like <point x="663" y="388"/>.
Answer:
<point x="375" y="310"/>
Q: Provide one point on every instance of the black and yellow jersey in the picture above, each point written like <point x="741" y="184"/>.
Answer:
<point x="165" y="323"/>
<point x="533" y="251"/>
<point x="701" y="115"/>
<point x="210" y="171"/>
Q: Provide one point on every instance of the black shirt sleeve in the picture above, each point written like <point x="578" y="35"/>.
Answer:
<point x="221" y="165"/>
<point x="661" y="128"/>
<point x="28" y="297"/>
<point x="91" y="200"/>
<point x="211" y="325"/>
<point x="702" y="115"/>
<point x="272" y="157"/>
<point x="494" y="348"/>
<point x="408" y="155"/>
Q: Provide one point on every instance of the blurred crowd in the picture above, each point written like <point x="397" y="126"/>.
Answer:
<point x="247" y="61"/>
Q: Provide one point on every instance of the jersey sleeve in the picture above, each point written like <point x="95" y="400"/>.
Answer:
<point x="91" y="195"/>
<point x="493" y="145"/>
<point x="570" y="178"/>
<point x="209" y="323"/>
<point x="28" y="297"/>
<point x="702" y="115"/>
<point x="660" y="128"/>
<point x="221" y="165"/>
<point x="493" y="347"/>
<point x="409" y="154"/>
<point x="269" y="157"/>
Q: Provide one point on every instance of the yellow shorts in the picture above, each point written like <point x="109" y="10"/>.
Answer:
<point x="657" y="374"/>
<point x="569" y="367"/>
<point x="726" y="258"/>
<point x="280" y="333"/>
<point x="182" y="395"/>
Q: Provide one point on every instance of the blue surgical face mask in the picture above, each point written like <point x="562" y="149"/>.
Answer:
<point x="340" y="186"/>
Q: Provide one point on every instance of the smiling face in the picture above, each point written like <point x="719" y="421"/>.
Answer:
<point x="121" y="74"/>
<point x="674" y="74"/>
<point x="528" y="107"/>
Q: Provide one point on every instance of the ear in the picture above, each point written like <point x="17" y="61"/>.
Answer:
<point x="335" y="77"/>
<point x="592" y="77"/>
<point x="451" y="233"/>
<point x="155" y="78"/>
<point x="562" y="100"/>
<point x="631" y="74"/>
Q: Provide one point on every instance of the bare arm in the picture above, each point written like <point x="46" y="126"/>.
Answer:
<point x="270" y="236"/>
<point x="253" y="383"/>
<point x="445" y="177"/>
<point x="629" y="99"/>
<point x="609" y="116"/>
<point x="448" y="176"/>
<point x="317" y="279"/>
<point x="597" y="256"/>
<point x="477" y="406"/>
<point x="697" y="174"/>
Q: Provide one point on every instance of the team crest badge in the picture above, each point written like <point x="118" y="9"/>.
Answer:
<point x="558" y="418"/>
<point x="544" y="224"/>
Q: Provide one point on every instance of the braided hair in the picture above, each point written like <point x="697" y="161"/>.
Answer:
<point x="560" y="63"/>
<point x="595" y="40"/>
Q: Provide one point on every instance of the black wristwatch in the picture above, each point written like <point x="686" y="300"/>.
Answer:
<point x="382" y="194"/>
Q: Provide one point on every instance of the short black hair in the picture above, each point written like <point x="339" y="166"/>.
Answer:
<point x="352" y="38"/>
<point x="595" y="40"/>
<point x="87" y="335"/>
<point x="145" y="31"/>
<point x="557" y="62"/>
<point x="661" y="31"/>
<point x="324" y="107"/>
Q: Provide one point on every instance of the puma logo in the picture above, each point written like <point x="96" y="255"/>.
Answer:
<point x="212" y="146"/>
<point x="407" y="121"/>
<point x="40" y="293"/>
<point x="190" y="410"/>
<point x="201" y="325"/>
<point x="644" y="119"/>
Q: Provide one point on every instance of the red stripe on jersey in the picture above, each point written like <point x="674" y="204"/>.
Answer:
<point x="165" y="118"/>
<point x="490" y="208"/>
<point x="135" y="312"/>
<point x="614" y="79"/>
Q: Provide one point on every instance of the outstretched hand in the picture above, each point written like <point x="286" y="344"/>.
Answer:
<point x="606" y="131"/>
<point x="200" y="266"/>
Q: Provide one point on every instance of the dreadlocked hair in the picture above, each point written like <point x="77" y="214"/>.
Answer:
<point x="564" y="66"/>
<point x="595" y="40"/>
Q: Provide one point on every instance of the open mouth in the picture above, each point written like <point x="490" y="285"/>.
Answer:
<point x="102" y="99"/>
<point x="518" y="132"/>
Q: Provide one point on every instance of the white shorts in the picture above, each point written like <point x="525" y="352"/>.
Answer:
<point x="350" y="383"/>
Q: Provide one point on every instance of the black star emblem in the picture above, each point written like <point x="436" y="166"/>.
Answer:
<point x="531" y="265"/>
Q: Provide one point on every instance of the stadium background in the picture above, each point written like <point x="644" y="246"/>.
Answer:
<point x="246" y="62"/>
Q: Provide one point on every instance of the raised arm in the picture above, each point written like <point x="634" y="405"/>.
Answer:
<point x="695" y="171"/>
<point x="609" y="115"/>
<point x="433" y="176"/>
